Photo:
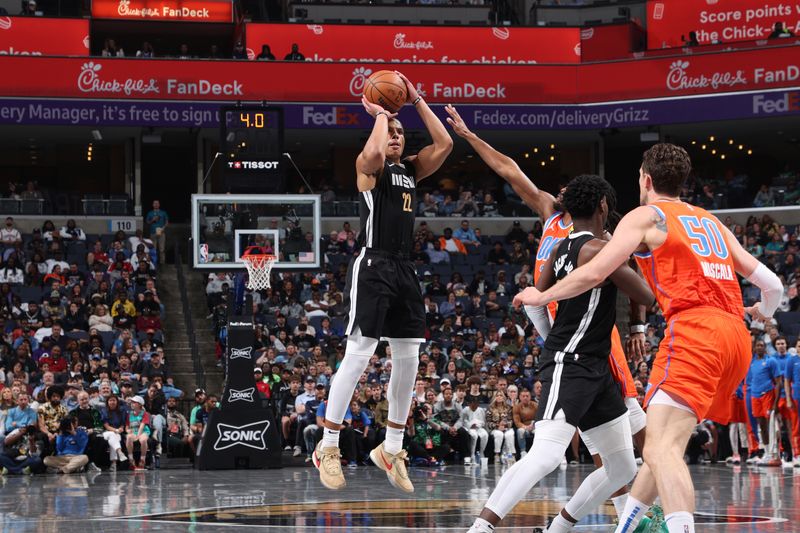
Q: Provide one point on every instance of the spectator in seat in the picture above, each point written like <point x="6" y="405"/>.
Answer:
<point x="764" y="197"/>
<point x="516" y="233"/>
<point x="446" y="207"/>
<point x="12" y="274"/>
<point x="137" y="430"/>
<point x="177" y="437"/>
<point x="780" y="31"/>
<point x="266" y="54"/>
<point x="154" y="402"/>
<point x="489" y="208"/>
<point x="51" y="414"/>
<point x="146" y="51"/>
<point x="184" y="53"/>
<point x="498" y="254"/>
<point x="295" y="54"/>
<point x="450" y="244"/>
<point x="29" y="9"/>
<point x="147" y="322"/>
<point x="90" y="420"/>
<point x="425" y="445"/>
<point x="54" y="276"/>
<point x="21" y="423"/>
<point x="363" y="434"/>
<point x="466" y="235"/>
<point x="436" y="255"/>
<point x="524" y="414"/>
<point x="10" y="237"/>
<point x="473" y="418"/>
<point x="502" y="285"/>
<point x="115" y="418"/>
<point x="466" y="206"/>
<point x="311" y="427"/>
<point x="110" y="49"/>
<point x="499" y="421"/>
<point x="238" y="51"/>
<point x="71" y="232"/>
<point x="287" y="411"/>
<point x="71" y="446"/>
<point x="447" y="414"/>
<point x="518" y="255"/>
<point x="428" y="207"/>
<point x="492" y="307"/>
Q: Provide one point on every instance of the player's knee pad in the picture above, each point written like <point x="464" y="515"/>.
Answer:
<point x="620" y="467"/>
<point x="404" y="349"/>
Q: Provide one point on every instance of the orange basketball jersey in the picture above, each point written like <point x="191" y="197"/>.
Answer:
<point x="694" y="267"/>
<point x="555" y="230"/>
<point x="619" y="366"/>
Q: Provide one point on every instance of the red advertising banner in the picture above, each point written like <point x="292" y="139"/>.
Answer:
<point x="717" y="21"/>
<point x="35" y="36"/>
<point x="343" y="82"/>
<point x="418" y="44"/>
<point x="164" y="10"/>
<point x="610" y="41"/>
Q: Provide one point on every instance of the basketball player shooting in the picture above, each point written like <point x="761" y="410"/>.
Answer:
<point x="689" y="259"/>
<point x="382" y="289"/>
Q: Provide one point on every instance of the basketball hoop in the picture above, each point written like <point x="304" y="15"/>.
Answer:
<point x="259" y="267"/>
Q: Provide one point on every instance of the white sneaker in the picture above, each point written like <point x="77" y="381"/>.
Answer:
<point x="113" y="467"/>
<point x="523" y="454"/>
<point x="564" y="461"/>
<point x="287" y="448"/>
<point x="121" y="455"/>
<point x="796" y="462"/>
<point x="91" y="467"/>
<point x="297" y="451"/>
<point x="467" y="461"/>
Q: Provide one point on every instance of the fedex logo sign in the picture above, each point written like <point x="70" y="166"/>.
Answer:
<point x="335" y="116"/>
<point x="767" y="104"/>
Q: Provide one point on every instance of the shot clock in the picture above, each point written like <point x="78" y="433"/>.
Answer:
<point x="252" y="147"/>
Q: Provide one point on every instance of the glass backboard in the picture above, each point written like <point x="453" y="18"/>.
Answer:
<point x="225" y="225"/>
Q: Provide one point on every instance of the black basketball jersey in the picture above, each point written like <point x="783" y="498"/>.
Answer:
<point x="387" y="211"/>
<point x="583" y="324"/>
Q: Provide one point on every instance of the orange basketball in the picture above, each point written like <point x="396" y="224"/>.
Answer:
<point x="386" y="89"/>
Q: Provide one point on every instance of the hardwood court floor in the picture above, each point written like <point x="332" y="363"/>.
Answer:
<point x="730" y="500"/>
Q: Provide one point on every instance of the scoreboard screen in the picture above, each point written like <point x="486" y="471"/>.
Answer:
<point x="252" y="147"/>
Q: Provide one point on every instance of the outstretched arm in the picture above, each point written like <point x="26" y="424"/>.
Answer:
<point x="505" y="167"/>
<point x="369" y="162"/>
<point x="630" y="233"/>
<point x="430" y="158"/>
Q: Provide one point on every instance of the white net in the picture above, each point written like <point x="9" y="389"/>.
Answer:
<point x="259" y="267"/>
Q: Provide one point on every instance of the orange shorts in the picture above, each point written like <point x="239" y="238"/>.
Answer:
<point x="704" y="356"/>
<point x="763" y="404"/>
<point x="619" y="366"/>
<point x="738" y="411"/>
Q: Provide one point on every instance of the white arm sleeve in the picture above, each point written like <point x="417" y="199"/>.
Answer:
<point x="540" y="318"/>
<point x="771" y="289"/>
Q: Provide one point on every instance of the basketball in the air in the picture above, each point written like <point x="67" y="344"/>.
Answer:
<point x="386" y="89"/>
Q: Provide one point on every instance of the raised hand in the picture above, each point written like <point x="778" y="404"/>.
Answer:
<point x="530" y="296"/>
<point x="411" y="90"/>
<point x="456" y="122"/>
<point x="374" y="109"/>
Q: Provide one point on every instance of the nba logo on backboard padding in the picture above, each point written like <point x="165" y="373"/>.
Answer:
<point x="204" y="253"/>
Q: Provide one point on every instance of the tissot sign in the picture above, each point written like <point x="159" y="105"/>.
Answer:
<point x="164" y="10"/>
<point x="34" y="36"/>
<point x="419" y="44"/>
<point x="154" y="80"/>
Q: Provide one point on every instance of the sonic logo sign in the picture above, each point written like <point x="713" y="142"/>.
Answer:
<point x="241" y="353"/>
<point x="252" y="435"/>
<point x="241" y="395"/>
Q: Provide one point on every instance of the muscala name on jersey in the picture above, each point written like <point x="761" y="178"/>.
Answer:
<point x="401" y="180"/>
<point x="717" y="271"/>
